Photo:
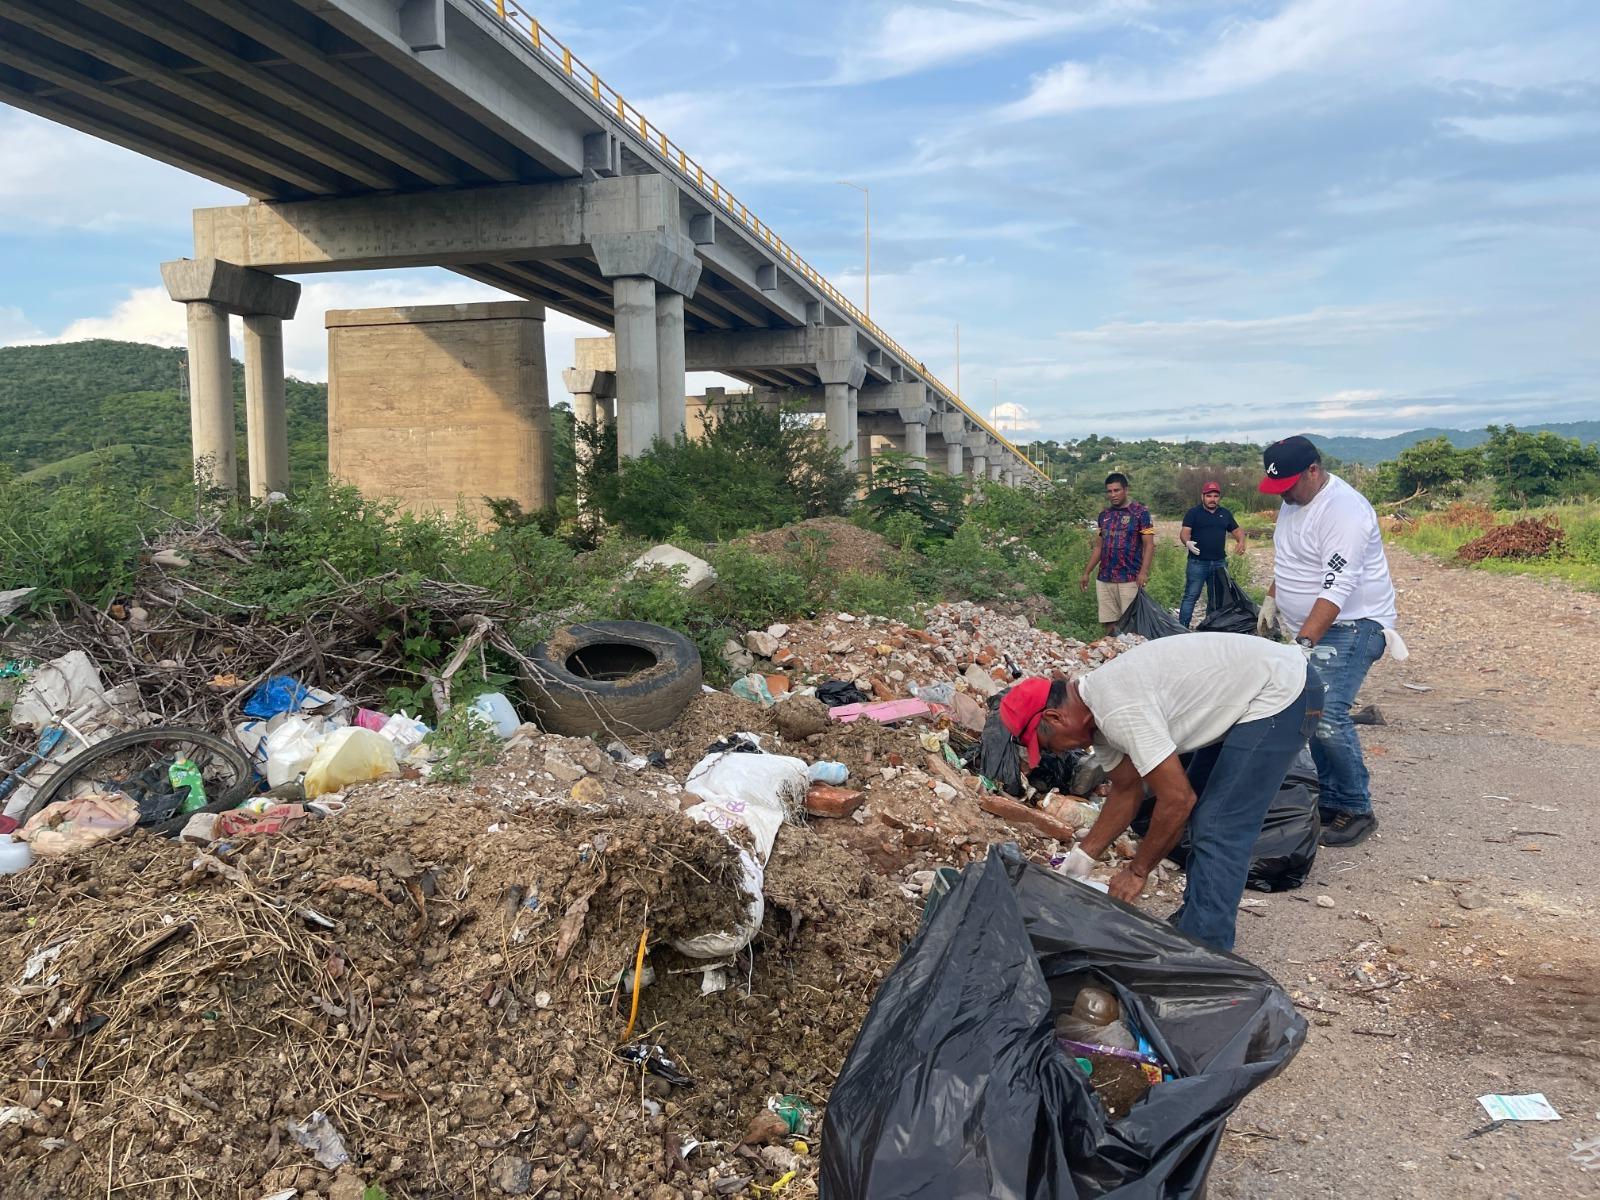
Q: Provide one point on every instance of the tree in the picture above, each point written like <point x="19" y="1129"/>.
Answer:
<point x="1535" y="468"/>
<point x="1436" y="467"/>
<point x="931" y="499"/>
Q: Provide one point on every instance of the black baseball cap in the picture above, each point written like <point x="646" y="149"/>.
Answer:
<point x="1286" y="461"/>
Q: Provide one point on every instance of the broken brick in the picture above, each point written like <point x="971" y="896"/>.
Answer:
<point x="825" y="801"/>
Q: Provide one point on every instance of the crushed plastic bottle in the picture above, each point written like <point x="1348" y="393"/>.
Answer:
<point x="1095" y="1019"/>
<point x="184" y="773"/>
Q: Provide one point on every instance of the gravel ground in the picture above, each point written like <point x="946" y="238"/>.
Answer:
<point x="1459" y="957"/>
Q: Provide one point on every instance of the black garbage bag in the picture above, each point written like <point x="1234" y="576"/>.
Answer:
<point x="1234" y="611"/>
<point x="999" y="756"/>
<point x="1148" y="619"/>
<point x="1057" y="772"/>
<point x="840" y="692"/>
<point x="1287" y="846"/>
<point x="955" y="1086"/>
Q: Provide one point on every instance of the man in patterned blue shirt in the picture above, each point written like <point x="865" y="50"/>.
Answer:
<point x="1124" y="544"/>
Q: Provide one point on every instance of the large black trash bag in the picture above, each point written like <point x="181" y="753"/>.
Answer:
<point x="1287" y="845"/>
<point x="1234" y="611"/>
<point x="839" y="692"/>
<point x="1148" y="619"/>
<point x="955" y="1086"/>
<point x="999" y="756"/>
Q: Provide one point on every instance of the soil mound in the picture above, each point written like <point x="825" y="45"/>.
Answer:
<point x="832" y="542"/>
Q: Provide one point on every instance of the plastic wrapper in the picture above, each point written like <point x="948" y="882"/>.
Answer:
<point x="346" y="756"/>
<point x="956" y="1087"/>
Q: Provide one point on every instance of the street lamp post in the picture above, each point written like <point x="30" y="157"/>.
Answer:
<point x="866" y="212"/>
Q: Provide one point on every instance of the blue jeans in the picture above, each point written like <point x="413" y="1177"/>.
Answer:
<point x="1343" y="657"/>
<point x="1235" y="781"/>
<point x="1200" y="572"/>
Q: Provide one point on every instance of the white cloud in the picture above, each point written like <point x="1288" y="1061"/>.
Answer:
<point x="915" y="37"/>
<point x="15" y="328"/>
<point x="1010" y="418"/>
<point x="1328" y="325"/>
<point x="1525" y="128"/>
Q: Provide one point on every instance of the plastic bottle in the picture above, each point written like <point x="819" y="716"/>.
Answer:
<point x="828" y="772"/>
<point x="14" y="856"/>
<point x="183" y="773"/>
<point x="500" y="713"/>
<point x="1095" y="1018"/>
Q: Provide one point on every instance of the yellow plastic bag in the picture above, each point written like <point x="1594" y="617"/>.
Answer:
<point x="346" y="756"/>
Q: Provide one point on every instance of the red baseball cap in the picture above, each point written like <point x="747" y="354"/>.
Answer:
<point x="1286" y="461"/>
<point x="1211" y="485"/>
<point x="1020" y="710"/>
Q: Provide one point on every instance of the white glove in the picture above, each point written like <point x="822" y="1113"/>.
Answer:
<point x="1267" y="621"/>
<point x="1078" y="864"/>
<point x="1194" y="547"/>
<point x="1395" y="645"/>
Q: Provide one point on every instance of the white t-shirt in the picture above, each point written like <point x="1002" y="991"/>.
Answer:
<point x="1176" y="694"/>
<point x="1331" y="549"/>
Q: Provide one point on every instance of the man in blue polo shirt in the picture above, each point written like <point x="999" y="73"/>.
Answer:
<point x="1205" y="532"/>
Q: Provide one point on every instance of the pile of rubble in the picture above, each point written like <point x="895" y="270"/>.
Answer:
<point x="973" y="648"/>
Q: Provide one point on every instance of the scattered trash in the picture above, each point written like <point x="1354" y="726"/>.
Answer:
<point x="748" y="797"/>
<point x="836" y="694"/>
<point x="278" y="694"/>
<point x="317" y="1134"/>
<point x="1586" y="1154"/>
<point x="611" y="677"/>
<point x="497" y="711"/>
<point x="885" y="712"/>
<point x="55" y="689"/>
<point x="185" y="776"/>
<point x="1531" y="1107"/>
<point x="798" y="1115"/>
<point x="346" y="756"/>
<point x="753" y="687"/>
<point x="15" y="855"/>
<point x="67" y="826"/>
<point x="655" y="1061"/>
<point x="833" y="773"/>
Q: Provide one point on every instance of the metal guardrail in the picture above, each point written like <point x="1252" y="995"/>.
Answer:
<point x="610" y="103"/>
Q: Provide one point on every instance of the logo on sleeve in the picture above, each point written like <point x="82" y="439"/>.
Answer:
<point x="1337" y="563"/>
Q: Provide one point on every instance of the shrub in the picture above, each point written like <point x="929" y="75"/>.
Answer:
<point x="82" y="537"/>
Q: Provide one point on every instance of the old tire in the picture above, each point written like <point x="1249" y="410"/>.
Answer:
<point x="612" y="677"/>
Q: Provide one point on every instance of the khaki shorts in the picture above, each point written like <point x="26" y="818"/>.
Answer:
<point x="1114" y="599"/>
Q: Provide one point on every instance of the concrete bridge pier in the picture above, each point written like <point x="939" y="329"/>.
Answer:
<point x="955" y="455"/>
<point x="211" y="290"/>
<point x="651" y="272"/>
<point x="917" y="438"/>
<point x="996" y="472"/>
<point x="591" y="410"/>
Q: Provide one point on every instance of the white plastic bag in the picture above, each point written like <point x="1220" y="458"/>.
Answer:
<point x="346" y="756"/>
<point x="756" y="792"/>
<point x="55" y="689"/>
<point x="290" y="748"/>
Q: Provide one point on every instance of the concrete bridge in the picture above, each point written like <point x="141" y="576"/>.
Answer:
<point x="456" y="133"/>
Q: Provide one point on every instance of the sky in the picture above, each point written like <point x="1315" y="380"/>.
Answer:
<point x="1148" y="218"/>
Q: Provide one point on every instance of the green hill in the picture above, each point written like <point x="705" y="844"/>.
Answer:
<point x="105" y="405"/>
<point x="1372" y="450"/>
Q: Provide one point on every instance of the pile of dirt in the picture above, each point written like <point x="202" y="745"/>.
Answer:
<point x="1534" y="537"/>
<point x="437" y="972"/>
<point x="830" y="543"/>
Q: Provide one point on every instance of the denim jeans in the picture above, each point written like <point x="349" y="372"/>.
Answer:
<point x="1235" y="781"/>
<point x="1197" y="573"/>
<point x="1343" y="657"/>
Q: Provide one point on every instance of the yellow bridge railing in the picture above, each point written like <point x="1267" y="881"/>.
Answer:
<point x="667" y="152"/>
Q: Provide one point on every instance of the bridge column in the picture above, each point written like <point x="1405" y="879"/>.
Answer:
<point x="211" y="397"/>
<point x="917" y="442"/>
<point x="266" y="413"/>
<point x="954" y="454"/>
<point x="979" y="466"/>
<point x="651" y="271"/>
<point x="996" y="471"/>
<point x="670" y="363"/>
<point x="591" y="414"/>
<point x="211" y="290"/>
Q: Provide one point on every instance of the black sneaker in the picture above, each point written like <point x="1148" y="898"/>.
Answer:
<point x="1347" y="828"/>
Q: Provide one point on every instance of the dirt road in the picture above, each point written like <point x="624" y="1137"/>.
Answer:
<point x="1461" y="954"/>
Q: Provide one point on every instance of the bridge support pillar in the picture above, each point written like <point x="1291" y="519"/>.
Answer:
<point x="838" y="417"/>
<point x="670" y="363"/>
<point x="211" y="290"/>
<point x="591" y="414"/>
<point x="638" y="366"/>
<point x="979" y="465"/>
<point x="211" y="397"/>
<point x="265" y="407"/>
<point x="954" y="453"/>
<point x="996" y="471"/>
<point x="917" y="443"/>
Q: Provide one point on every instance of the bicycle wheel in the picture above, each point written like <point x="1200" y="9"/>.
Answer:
<point x="224" y="767"/>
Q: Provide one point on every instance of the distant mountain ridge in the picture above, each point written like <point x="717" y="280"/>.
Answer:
<point x="1369" y="451"/>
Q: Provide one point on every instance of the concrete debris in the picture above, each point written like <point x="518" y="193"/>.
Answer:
<point x="698" y="574"/>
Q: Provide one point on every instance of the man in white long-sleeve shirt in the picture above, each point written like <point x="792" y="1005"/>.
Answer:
<point x="1331" y="588"/>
